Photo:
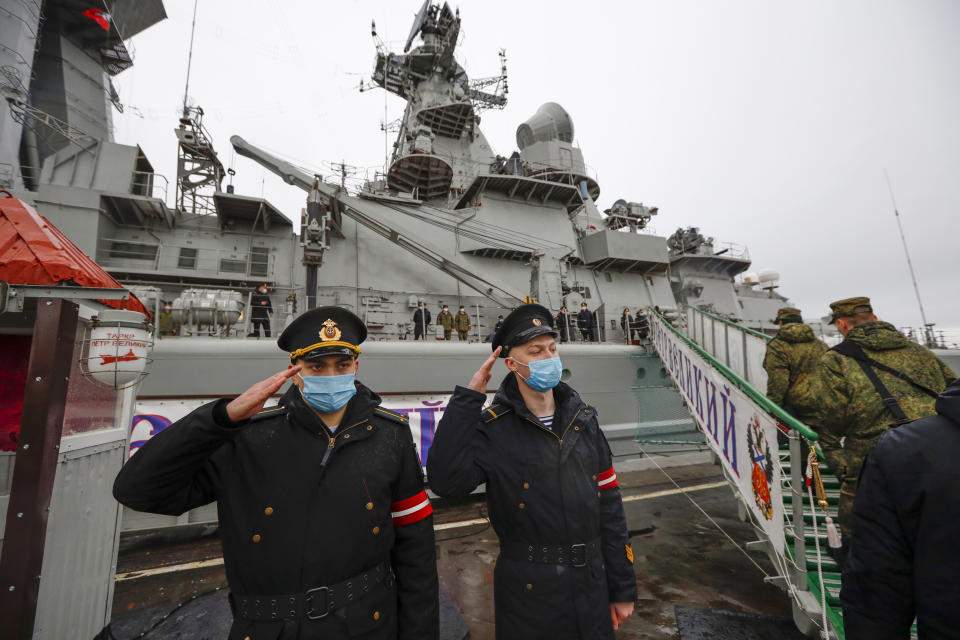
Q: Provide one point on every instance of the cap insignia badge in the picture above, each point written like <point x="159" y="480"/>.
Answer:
<point x="536" y="322"/>
<point x="329" y="331"/>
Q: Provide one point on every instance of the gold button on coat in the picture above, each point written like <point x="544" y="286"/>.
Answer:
<point x="529" y="587"/>
<point x="376" y="530"/>
<point x="577" y="428"/>
<point x="256" y="537"/>
<point x="526" y="485"/>
<point x="521" y="505"/>
<point x="376" y="615"/>
<point x="346" y="436"/>
<point x="369" y="506"/>
<point x="268" y="511"/>
<point x="369" y="427"/>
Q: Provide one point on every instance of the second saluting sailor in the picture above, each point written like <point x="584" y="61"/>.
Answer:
<point x="326" y="529"/>
<point x="566" y="567"/>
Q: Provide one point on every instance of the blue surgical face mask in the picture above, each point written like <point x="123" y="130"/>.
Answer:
<point x="544" y="374"/>
<point x="327" y="394"/>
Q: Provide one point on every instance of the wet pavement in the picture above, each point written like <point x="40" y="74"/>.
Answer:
<point x="681" y="560"/>
<point x="686" y="569"/>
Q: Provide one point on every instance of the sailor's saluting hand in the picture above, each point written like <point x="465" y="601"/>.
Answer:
<point x="480" y="379"/>
<point x="248" y="403"/>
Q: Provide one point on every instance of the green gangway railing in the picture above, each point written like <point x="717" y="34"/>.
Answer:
<point x="736" y="353"/>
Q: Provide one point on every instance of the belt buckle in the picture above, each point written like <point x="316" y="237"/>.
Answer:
<point x="309" y="603"/>
<point x="580" y="549"/>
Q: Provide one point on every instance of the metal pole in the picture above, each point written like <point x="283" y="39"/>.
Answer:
<point x="35" y="466"/>
<point x="797" y="465"/>
<point x="913" y="277"/>
<point x="479" y="337"/>
<point x="246" y="322"/>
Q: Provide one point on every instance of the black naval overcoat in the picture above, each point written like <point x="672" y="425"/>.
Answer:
<point x="299" y="509"/>
<point x="543" y="488"/>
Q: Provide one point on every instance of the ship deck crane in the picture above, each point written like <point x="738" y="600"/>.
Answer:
<point x="365" y="213"/>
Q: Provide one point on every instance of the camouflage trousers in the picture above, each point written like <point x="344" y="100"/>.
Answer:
<point x="846" y="464"/>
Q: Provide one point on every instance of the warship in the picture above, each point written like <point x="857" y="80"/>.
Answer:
<point x="448" y="222"/>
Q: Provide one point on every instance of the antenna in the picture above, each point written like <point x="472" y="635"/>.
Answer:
<point x="193" y="26"/>
<point x="923" y="316"/>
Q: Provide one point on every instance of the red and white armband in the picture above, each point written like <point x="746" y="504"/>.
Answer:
<point x="413" y="509"/>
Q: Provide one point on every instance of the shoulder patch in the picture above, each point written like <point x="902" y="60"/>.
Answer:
<point x="391" y="415"/>
<point x="495" y="411"/>
<point x="269" y="412"/>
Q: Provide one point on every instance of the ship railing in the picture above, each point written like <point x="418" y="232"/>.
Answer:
<point x="178" y="259"/>
<point x="29" y="176"/>
<point x="150" y="185"/>
<point x="716" y="365"/>
<point x="739" y="348"/>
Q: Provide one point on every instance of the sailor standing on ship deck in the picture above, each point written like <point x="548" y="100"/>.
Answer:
<point x="261" y="312"/>
<point x="445" y="320"/>
<point x="563" y="324"/>
<point x="326" y="529"/>
<point x="421" y="318"/>
<point x="565" y="568"/>
<point x="462" y="324"/>
<point x="585" y="322"/>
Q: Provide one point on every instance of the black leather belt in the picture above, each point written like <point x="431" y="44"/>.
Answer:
<point x="315" y="603"/>
<point x="574" y="555"/>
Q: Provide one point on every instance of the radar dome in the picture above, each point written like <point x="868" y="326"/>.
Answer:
<point x="769" y="275"/>
<point x="550" y="122"/>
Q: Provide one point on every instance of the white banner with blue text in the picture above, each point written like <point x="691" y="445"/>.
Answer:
<point x="742" y="434"/>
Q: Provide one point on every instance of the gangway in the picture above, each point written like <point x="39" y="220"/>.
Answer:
<point x="716" y="365"/>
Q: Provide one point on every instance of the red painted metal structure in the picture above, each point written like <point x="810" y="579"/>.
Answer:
<point x="33" y="251"/>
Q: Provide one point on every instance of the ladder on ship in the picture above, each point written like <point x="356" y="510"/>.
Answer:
<point x="704" y="353"/>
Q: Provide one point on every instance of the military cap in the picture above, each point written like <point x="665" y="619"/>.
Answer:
<point x="523" y="325"/>
<point x="849" y="307"/>
<point x="788" y="314"/>
<point x="324" y="331"/>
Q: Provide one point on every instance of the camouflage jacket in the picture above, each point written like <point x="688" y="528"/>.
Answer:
<point x="445" y="320"/>
<point x="791" y="357"/>
<point x="848" y="405"/>
<point x="462" y="322"/>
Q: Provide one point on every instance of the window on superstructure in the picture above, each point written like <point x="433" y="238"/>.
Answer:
<point x="133" y="251"/>
<point x="187" y="258"/>
<point x="259" y="261"/>
<point x="229" y="265"/>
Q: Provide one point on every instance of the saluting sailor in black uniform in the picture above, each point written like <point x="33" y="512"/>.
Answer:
<point x="326" y="529"/>
<point x="566" y="567"/>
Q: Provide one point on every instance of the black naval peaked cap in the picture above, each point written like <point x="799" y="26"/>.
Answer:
<point x="524" y="323"/>
<point x="324" y="331"/>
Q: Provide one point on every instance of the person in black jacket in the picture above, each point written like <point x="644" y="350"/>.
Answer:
<point x="565" y="568"/>
<point x="585" y="322"/>
<point x="421" y="320"/>
<point x="260" y="313"/>
<point x="326" y="529"/>
<point x="903" y="558"/>
<point x="563" y="324"/>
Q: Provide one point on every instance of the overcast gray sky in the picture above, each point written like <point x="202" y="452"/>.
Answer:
<point x="765" y="124"/>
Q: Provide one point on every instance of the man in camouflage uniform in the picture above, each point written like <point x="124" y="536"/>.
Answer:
<point x="792" y="356"/>
<point x="445" y="320"/>
<point x="462" y="324"/>
<point x="851" y="415"/>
